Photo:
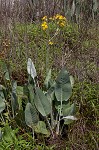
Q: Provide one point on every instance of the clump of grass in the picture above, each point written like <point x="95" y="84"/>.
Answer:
<point x="83" y="133"/>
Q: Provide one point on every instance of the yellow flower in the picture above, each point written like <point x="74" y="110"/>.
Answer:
<point x="50" y="43"/>
<point x="62" y="24"/>
<point x="60" y="17"/>
<point x="57" y="16"/>
<point x="44" y="18"/>
<point x="44" y="25"/>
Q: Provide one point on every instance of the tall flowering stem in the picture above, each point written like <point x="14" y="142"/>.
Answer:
<point x="60" y="22"/>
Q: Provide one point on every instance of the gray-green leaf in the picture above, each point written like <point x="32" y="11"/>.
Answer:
<point x="2" y="103"/>
<point x="31" y="116"/>
<point x="42" y="103"/>
<point x="69" y="111"/>
<point x="31" y="68"/>
<point x="63" y="89"/>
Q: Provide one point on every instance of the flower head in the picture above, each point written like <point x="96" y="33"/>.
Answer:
<point x="44" y="18"/>
<point x="60" y="17"/>
<point x="44" y="25"/>
<point x="62" y="24"/>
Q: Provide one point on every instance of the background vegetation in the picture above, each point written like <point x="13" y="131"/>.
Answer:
<point x="74" y="45"/>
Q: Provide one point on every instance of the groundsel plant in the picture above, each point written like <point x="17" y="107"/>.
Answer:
<point x="60" y="22"/>
<point x="47" y="107"/>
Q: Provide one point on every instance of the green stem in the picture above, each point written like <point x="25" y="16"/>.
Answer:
<point x="33" y="133"/>
<point x="49" y="127"/>
<point x="58" y="124"/>
<point x="47" y="59"/>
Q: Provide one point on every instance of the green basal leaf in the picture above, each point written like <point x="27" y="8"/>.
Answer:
<point x="2" y="103"/>
<point x="31" y="116"/>
<point x="41" y="128"/>
<point x="14" y="101"/>
<point x="63" y="92"/>
<point x="63" y="77"/>
<point x="69" y="110"/>
<point x="31" y="68"/>
<point x="63" y="89"/>
<point x="31" y="93"/>
<point x="42" y="104"/>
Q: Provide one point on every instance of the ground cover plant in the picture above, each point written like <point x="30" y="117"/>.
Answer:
<point x="52" y="41"/>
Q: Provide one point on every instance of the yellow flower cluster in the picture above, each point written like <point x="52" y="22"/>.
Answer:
<point x="59" y="19"/>
<point x="44" y="25"/>
<point x="44" y="18"/>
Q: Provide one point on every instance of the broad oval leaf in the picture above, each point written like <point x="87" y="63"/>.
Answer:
<point x="2" y="103"/>
<point x="14" y="101"/>
<point x="63" y="77"/>
<point x="31" y="68"/>
<point x="69" y="110"/>
<point x="63" y="89"/>
<point x="43" y="105"/>
<point x="31" y="93"/>
<point x="63" y="92"/>
<point x="14" y="86"/>
<point x="31" y="116"/>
